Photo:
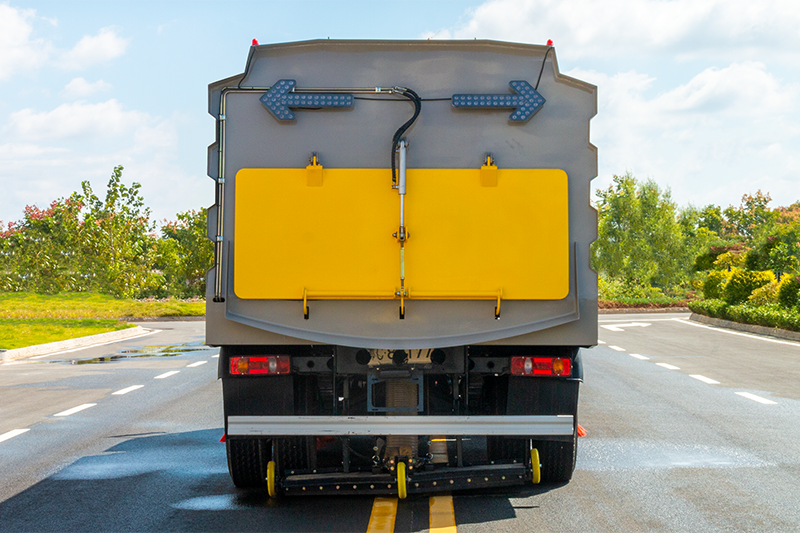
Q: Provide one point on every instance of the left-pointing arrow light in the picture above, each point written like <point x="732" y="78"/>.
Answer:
<point x="283" y="95"/>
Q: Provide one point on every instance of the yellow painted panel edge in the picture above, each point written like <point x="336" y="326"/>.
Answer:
<point x="330" y="292"/>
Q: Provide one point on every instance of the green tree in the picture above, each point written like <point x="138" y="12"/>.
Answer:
<point x="38" y="253"/>
<point x="117" y="243"/>
<point x="186" y="254"/>
<point x="752" y="218"/>
<point x="776" y="245"/>
<point x="106" y="244"/>
<point x="640" y="239"/>
<point x="780" y="259"/>
<point x="710" y="217"/>
<point x="697" y="235"/>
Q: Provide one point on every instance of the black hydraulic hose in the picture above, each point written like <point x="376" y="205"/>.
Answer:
<point x="417" y="101"/>
<point x="247" y="67"/>
<point x="544" y="60"/>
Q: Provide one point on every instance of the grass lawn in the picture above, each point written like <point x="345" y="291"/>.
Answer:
<point x="20" y="332"/>
<point x="90" y="305"/>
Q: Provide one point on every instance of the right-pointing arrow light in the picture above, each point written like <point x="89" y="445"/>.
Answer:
<point x="527" y="101"/>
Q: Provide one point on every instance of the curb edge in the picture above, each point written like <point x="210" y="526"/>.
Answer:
<point x="784" y="334"/>
<point x="78" y="342"/>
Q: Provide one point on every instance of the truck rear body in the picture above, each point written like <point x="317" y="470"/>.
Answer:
<point x="400" y="304"/>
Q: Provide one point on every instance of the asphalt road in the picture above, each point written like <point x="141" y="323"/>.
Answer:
<point x="690" y="428"/>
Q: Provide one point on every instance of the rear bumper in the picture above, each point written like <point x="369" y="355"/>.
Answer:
<point x="527" y="426"/>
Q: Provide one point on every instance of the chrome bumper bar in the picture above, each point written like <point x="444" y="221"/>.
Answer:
<point x="528" y="426"/>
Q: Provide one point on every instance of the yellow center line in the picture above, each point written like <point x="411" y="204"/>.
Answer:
<point x="442" y="514"/>
<point x="384" y="512"/>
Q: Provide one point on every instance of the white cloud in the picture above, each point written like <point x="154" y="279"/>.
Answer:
<point x="78" y="120"/>
<point x="17" y="50"/>
<point x="690" y="92"/>
<point x="726" y="125"/>
<point x="162" y="136"/>
<point x="43" y="174"/>
<point x="743" y="90"/>
<point x="20" y="52"/>
<point x="44" y="169"/>
<point x="94" y="49"/>
<point x="80" y="88"/>
<point x="17" y="151"/>
<point x="587" y="28"/>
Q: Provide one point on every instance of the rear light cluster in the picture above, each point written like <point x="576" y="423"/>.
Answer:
<point x="540" y="366"/>
<point x="262" y="364"/>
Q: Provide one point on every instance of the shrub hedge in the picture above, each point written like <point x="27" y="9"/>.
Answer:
<point x="743" y="282"/>
<point x="715" y="283"/>
<point x="770" y="315"/>
<point x="768" y="294"/>
<point x="788" y="291"/>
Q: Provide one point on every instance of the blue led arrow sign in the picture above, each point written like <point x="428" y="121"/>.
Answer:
<point x="283" y="95"/>
<point x="526" y="102"/>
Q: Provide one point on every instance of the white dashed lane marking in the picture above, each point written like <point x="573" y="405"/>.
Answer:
<point x="755" y="398"/>
<point x="700" y="377"/>
<point x="75" y="409"/>
<point x="11" y="434"/>
<point x="620" y="327"/>
<point x="167" y="374"/>
<point x="127" y="390"/>
<point x="196" y="364"/>
<point x="215" y="356"/>
<point x="704" y="379"/>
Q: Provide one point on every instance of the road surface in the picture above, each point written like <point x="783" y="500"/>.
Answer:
<point x="690" y="428"/>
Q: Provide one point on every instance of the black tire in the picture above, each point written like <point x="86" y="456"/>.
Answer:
<point x="295" y="453"/>
<point x="507" y="450"/>
<point x="557" y="459"/>
<point x="247" y="462"/>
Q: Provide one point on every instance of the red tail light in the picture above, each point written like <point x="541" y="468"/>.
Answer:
<point x="540" y="366"/>
<point x="262" y="364"/>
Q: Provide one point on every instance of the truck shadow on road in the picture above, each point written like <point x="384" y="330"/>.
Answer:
<point x="179" y="482"/>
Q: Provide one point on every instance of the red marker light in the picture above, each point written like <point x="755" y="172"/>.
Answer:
<point x="269" y="364"/>
<point x="541" y="366"/>
<point x="549" y="42"/>
<point x="255" y="42"/>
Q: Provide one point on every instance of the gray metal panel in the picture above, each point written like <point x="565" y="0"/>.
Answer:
<point x="211" y="223"/>
<point x="442" y="137"/>
<point x="221" y="331"/>
<point x="529" y="426"/>
<point x="213" y="161"/>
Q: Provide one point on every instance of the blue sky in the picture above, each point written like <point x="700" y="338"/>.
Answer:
<point x="698" y="95"/>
